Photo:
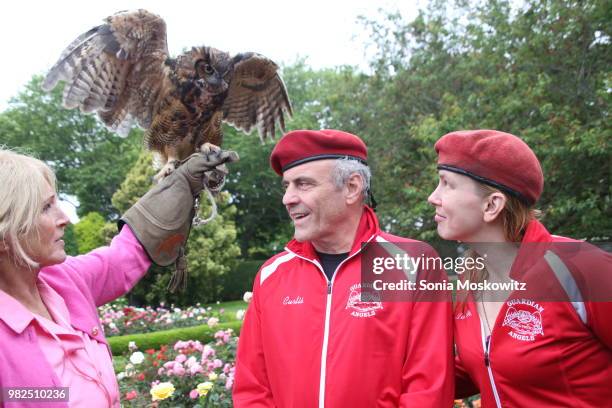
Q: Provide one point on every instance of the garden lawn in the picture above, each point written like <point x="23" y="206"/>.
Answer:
<point x="229" y="309"/>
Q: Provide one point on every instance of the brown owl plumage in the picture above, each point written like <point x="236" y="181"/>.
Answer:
<point x="122" y="70"/>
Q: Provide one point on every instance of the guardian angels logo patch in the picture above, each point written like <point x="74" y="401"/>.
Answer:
<point x="365" y="307"/>
<point x="524" y="318"/>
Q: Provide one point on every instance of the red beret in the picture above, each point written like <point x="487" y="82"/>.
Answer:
<point x="495" y="158"/>
<point x="302" y="146"/>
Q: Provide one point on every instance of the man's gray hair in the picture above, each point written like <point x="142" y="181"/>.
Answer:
<point x="343" y="170"/>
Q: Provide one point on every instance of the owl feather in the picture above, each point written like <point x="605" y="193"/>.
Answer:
<point x="122" y="70"/>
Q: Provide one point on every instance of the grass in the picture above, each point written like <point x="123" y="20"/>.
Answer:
<point x="230" y="309"/>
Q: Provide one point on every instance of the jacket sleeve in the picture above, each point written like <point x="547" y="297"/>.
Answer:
<point x="599" y="297"/>
<point x="251" y="385"/>
<point x="464" y="386"/>
<point x="598" y="320"/>
<point x="428" y="371"/>
<point x="591" y="269"/>
<point x="111" y="271"/>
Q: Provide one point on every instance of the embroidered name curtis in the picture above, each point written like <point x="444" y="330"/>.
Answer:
<point x="298" y="300"/>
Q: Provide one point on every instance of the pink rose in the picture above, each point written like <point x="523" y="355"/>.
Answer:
<point x="190" y="361"/>
<point x="208" y="352"/>
<point x="195" y="369"/>
<point x="178" y="369"/>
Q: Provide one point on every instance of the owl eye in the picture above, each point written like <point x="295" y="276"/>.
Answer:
<point x="204" y="69"/>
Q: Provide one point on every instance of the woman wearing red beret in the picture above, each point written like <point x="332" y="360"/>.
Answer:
<point x="547" y="340"/>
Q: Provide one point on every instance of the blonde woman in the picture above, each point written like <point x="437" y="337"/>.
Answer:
<point x="50" y="335"/>
<point x="535" y="346"/>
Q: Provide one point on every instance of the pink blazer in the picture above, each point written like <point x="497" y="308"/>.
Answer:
<point x="84" y="282"/>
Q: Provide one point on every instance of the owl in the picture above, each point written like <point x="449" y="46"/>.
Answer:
<point x="122" y="70"/>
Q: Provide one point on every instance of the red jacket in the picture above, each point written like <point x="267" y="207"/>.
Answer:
<point x="308" y="342"/>
<point x="541" y="353"/>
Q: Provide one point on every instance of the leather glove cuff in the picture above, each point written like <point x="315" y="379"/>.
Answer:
<point x="161" y="219"/>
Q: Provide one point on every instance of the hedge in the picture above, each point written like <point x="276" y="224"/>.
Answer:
<point x="144" y="341"/>
<point x="240" y="279"/>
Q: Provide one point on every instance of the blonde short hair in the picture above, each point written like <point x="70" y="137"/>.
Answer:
<point x="22" y="184"/>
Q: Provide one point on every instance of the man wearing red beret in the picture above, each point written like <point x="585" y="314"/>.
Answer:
<point x="308" y="337"/>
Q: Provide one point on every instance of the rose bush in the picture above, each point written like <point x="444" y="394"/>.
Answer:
<point x="187" y="373"/>
<point x="119" y="320"/>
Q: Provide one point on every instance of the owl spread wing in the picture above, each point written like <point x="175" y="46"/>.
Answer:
<point x="116" y="69"/>
<point x="257" y="96"/>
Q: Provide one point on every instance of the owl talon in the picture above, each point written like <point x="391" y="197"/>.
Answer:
<point x="208" y="148"/>
<point x="168" y="168"/>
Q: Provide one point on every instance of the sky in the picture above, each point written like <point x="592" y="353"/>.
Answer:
<point x="325" y="32"/>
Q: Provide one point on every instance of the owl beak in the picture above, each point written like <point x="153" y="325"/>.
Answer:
<point x="216" y="85"/>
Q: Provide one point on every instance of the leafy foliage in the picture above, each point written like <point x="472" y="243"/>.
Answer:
<point x="540" y="71"/>
<point x="211" y="249"/>
<point x="89" y="232"/>
<point x="89" y="161"/>
<point x="240" y="279"/>
<point x="71" y="245"/>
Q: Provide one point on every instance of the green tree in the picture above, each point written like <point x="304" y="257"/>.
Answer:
<point x="261" y="219"/>
<point x="90" y="162"/>
<point x="211" y="249"/>
<point x="89" y="232"/>
<point x="540" y="71"/>
<point x="71" y="246"/>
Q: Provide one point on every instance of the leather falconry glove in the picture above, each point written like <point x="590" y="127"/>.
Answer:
<point x="161" y="219"/>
